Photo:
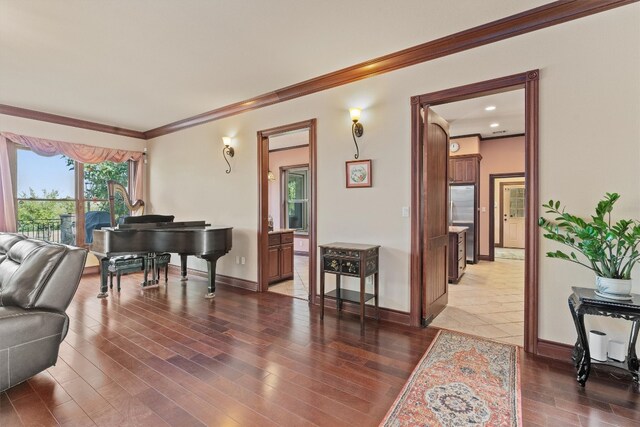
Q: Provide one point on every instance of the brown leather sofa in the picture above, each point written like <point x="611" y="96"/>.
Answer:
<point x="37" y="282"/>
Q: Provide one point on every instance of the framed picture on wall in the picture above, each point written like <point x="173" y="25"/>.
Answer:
<point x="358" y="173"/>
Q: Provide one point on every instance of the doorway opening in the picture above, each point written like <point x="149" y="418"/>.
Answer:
<point x="287" y="210"/>
<point x="507" y="195"/>
<point x="477" y="156"/>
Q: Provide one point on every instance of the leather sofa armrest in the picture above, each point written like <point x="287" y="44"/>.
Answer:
<point x="29" y="342"/>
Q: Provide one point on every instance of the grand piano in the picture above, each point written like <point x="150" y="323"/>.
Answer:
<point x="184" y="238"/>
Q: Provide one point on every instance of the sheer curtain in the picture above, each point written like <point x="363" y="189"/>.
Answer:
<point x="7" y="209"/>
<point x="46" y="147"/>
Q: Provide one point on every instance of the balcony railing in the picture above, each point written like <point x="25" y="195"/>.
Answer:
<point x="60" y="230"/>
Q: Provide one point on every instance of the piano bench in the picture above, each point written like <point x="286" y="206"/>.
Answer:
<point x="125" y="264"/>
<point x="161" y="260"/>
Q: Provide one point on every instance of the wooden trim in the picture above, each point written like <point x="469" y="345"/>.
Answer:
<point x="466" y="156"/>
<point x="68" y="121"/>
<point x="293" y="147"/>
<point x="237" y="283"/>
<point x="386" y="314"/>
<point x="484" y="258"/>
<point x="531" y="20"/>
<point x="492" y="200"/>
<point x="469" y="135"/>
<point x="263" y="201"/>
<point x="415" y="309"/>
<point x="263" y="213"/>
<point x="501" y="204"/>
<point x="554" y="350"/>
<point x="528" y="80"/>
<point x="313" y="226"/>
<point x="531" y="170"/>
<point x="489" y="138"/>
<point x="221" y="279"/>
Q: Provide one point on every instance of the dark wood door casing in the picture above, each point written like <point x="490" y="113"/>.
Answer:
<point x="435" y="224"/>
<point x="501" y="205"/>
<point x="263" y="203"/>
<point x="492" y="201"/>
<point x="530" y="82"/>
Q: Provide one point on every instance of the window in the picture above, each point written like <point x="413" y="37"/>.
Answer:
<point x="296" y="202"/>
<point x="46" y="197"/>
<point x="48" y="205"/>
<point x="516" y="202"/>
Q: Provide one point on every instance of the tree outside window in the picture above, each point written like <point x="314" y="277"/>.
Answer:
<point x="47" y="203"/>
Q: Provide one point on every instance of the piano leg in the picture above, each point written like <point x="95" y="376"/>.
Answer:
<point x="183" y="268"/>
<point x="104" y="272"/>
<point x="212" y="260"/>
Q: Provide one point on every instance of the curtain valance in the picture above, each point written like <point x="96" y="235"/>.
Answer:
<point x="78" y="152"/>
<point x="46" y="147"/>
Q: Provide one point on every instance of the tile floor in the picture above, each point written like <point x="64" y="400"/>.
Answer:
<point x="488" y="301"/>
<point x="509" y="253"/>
<point x="299" y="286"/>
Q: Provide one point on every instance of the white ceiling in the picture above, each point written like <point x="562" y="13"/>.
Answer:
<point x="140" y="64"/>
<point x="470" y="117"/>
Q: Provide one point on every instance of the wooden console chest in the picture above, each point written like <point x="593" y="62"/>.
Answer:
<point x="355" y="260"/>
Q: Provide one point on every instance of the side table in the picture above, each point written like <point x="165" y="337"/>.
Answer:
<point x="350" y="259"/>
<point x="585" y="301"/>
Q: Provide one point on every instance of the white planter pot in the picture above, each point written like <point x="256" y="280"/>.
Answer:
<point x="613" y="288"/>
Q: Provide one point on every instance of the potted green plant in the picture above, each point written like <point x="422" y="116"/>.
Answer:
<point x="611" y="250"/>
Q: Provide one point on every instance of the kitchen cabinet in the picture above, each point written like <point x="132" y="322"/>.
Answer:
<point x="280" y="255"/>
<point x="457" y="253"/>
<point x="465" y="169"/>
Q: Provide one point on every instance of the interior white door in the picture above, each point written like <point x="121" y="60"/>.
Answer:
<point x="513" y="215"/>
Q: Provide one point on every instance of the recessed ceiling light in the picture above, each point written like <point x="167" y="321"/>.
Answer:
<point x="494" y="125"/>
<point x="490" y="108"/>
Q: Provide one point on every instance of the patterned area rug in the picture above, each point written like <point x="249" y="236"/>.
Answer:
<point x="461" y="381"/>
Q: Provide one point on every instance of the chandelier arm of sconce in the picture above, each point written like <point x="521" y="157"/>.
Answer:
<point x="353" y="133"/>
<point x="229" y="151"/>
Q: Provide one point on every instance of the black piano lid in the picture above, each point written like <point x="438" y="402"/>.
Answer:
<point x="162" y="225"/>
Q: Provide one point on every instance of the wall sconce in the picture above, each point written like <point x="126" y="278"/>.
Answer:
<point x="271" y="176"/>
<point x="227" y="151"/>
<point x="356" y="129"/>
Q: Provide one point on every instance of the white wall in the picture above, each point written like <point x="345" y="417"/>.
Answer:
<point x="589" y="144"/>
<point x="589" y="133"/>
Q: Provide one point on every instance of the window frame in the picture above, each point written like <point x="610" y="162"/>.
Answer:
<point x="284" y="197"/>
<point x="79" y="198"/>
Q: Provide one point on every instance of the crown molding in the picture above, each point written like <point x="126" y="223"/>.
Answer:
<point x="531" y="20"/>
<point x="488" y="138"/>
<point x="68" y="121"/>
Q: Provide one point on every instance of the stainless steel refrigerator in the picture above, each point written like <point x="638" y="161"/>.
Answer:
<point x="462" y="213"/>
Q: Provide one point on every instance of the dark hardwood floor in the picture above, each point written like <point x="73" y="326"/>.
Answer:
<point x="171" y="357"/>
